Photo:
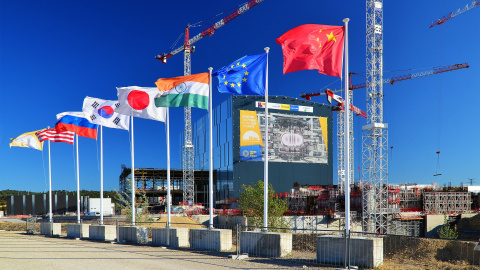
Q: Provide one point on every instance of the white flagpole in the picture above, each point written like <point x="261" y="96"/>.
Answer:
<point x="101" y="175"/>
<point x="210" y="174"/>
<point x="169" y="194"/>
<point x="50" y="217"/>
<point x="133" y="178"/>
<point x="78" y="183"/>
<point x="265" y="187"/>
<point x="347" y="135"/>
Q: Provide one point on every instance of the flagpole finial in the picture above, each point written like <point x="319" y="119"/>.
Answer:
<point x="210" y="69"/>
<point x="346" y="20"/>
<point x="267" y="49"/>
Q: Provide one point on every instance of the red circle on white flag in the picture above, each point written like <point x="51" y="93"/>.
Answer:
<point x="138" y="100"/>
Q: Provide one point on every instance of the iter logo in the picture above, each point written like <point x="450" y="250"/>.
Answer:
<point x="251" y="143"/>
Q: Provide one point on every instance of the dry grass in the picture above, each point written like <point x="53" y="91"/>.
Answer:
<point x="419" y="253"/>
<point x="13" y="226"/>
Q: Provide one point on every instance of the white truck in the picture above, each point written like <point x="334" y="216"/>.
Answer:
<point x="94" y="207"/>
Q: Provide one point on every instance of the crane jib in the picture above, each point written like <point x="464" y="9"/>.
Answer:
<point x="211" y="29"/>
<point x="222" y="22"/>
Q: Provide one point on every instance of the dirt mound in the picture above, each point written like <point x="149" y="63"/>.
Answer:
<point x="421" y="253"/>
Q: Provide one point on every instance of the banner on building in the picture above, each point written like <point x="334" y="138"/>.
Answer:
<point x="292" y="138"/>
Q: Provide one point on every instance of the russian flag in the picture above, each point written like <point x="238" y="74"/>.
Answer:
<point x="76" y="122"/>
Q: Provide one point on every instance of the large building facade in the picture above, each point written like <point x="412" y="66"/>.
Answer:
<point x="300" y="148"/>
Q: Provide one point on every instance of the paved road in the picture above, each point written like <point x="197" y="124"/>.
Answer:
<point x="21" y="251"/>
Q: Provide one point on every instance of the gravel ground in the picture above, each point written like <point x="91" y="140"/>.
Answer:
<point x="21" y="251"/>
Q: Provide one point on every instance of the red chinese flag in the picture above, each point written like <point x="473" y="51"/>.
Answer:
<point x="313" y="46"/>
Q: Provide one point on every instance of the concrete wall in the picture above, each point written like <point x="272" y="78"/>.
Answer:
<point x="103" y="232"/>
<point x="432" y="224"/>
<point x="211" y="239"/>
<point x="364" y="252"/>
<point x="231" y="221"/>
<point x="266" y="244"/>
<point x="50" y="229"/>
<point x="78" y="230"/>
<point x="133" y="234"/>
<point x="178" y="237"/>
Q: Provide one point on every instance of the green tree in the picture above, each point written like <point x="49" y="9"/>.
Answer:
<point x="251" y="203"/>
<point x="124" y="200"/>
<point x="447" y="231"/>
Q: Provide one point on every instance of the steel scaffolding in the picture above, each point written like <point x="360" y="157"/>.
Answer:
<point x="450" y="203"/>
<point x="374" y="153"/>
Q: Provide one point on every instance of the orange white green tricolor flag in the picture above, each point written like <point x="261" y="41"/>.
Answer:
<point x="184" y="91"/>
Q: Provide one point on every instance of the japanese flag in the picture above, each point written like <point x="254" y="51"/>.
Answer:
<point x="102" y="112"/>
<point x="140" y="102"/>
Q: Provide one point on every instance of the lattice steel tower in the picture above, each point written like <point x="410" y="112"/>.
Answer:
<point x="188" y="158"/>
<point x="375" y="132"/>
<point x="341" y="146"/>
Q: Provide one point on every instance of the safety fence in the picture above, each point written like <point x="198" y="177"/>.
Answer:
<point x="321" y="249"/>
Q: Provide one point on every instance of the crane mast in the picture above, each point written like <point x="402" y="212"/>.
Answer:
<point x="188" y="157"/>
<point x="375" y="132"/>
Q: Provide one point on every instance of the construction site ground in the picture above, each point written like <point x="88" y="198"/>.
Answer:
<point x="399" y="252"/>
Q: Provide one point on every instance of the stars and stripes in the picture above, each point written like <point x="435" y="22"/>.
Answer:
<point x="54" y="136"/>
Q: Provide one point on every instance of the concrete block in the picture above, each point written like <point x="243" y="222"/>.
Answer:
<point x="133" y="234"/>
<point x="103" y="232"/>
<point x="178" y="237"/>
<point x="266" y="244"/>
<point x="50" y="229"/>
<point x="211" y="239"/>
<point x="78" y="230"/>
<point x="364" y="252"/>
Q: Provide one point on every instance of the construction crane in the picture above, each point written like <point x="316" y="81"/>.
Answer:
<point x="340" y="116"/>
<point x="433" y="71"/>
<point x="456" y="13"/>
<point x="341" y="138"/>
<point x="188" y="158"/>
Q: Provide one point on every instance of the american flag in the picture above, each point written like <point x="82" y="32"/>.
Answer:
<point x="54" y="136"/>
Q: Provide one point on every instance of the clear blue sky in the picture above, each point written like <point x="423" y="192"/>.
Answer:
<point x="55" y="53"/>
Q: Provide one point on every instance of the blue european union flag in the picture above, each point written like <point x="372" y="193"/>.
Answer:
<point x="246" y="76"/>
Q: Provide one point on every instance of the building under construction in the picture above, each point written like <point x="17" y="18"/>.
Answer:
<point x="409" y="203"/>
<point x="154" y="183"/>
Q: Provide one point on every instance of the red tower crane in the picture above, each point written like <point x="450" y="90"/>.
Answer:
<point x="456" y="13"/>
<point x="393" y="80"/>
<point x="209" y="31"/>
<point x="339" y="107"/>
<point x="188" y="160"/>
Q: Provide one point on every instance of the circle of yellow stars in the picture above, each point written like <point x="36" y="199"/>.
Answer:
<point x="239" y="84"/>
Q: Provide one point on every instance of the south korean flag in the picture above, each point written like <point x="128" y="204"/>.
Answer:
<point x="102" y="112"/>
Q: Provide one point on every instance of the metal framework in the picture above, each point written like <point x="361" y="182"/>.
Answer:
<point x="341" y="147"/>
<point x="456" y="13"/>
<point x="188" y="157"/>
<point x="375" y="132"/>
<point x="450" y="203"/>
<point x="340" y="115"/>
<point x="154" y="183"/>
<point x="410" y="199"/>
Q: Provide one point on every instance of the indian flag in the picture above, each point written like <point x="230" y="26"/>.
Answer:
<point x="184" y="91"/>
